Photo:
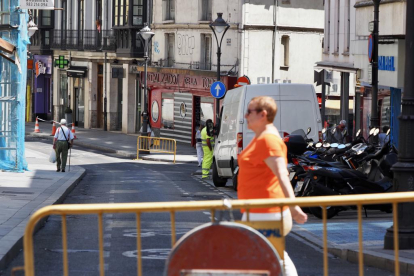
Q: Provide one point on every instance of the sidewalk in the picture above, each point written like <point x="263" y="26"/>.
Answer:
<point x="342" y="229"/>
<point x="115" y="142"/>
<point x="23" y="193"/>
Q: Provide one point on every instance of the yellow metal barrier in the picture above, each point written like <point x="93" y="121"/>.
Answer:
<point x="213" y="206"/>
<point x="156" y="145"/>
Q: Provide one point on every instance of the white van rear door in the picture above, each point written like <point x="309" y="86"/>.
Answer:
<point x="299" y="109"/>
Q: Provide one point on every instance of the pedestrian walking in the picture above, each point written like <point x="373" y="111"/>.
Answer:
<point x="62" y="142"/>
<point x="207" y="142"/>
<point x="263" y="170"/>
<point x="340" y="133"/>
<point x="199" y="146"/>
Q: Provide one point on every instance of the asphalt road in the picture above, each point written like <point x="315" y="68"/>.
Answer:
<point x="110" y="179"/>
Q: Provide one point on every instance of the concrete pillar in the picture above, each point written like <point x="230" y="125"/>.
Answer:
<point x="128" y="98"/>
<point x="56" y="99"/>
<point x="92" y="94"/>
<point x="86" y="89"/>
<point x="112" y="96"/>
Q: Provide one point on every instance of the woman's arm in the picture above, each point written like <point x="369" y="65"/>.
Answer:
<point x="279" y="168"/>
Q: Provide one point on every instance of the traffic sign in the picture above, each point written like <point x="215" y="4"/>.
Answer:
<point x="218" y="89"/>
<point x="244" y="80"/>
<point x="370" y="47"/>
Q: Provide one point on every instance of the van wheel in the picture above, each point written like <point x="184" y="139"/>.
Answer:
<point x="217" y="180"/>
<point x="234" y="179"/>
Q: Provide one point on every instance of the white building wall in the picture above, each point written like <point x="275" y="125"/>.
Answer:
<point x="301" y="13"/>
<point x="188" y="31"/>
<point x="392" y="18"/>
<point x="251" y="39"/>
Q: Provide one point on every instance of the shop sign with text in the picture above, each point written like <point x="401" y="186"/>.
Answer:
<point x="182" y="81"/>
<point x="37" y="4"/>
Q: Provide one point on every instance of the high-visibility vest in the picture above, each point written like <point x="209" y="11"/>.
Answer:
<point x="204" y="137"/>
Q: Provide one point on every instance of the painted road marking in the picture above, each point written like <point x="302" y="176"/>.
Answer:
<point x="153" y="254"/>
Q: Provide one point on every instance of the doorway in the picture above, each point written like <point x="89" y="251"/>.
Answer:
<point x="79" y="108"/>
<point x="99" y="103"/>
<point x="119" y="104"/>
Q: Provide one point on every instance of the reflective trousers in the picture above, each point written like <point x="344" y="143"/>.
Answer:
<point x="199" y="148"/>
<point x="207" y="161"/>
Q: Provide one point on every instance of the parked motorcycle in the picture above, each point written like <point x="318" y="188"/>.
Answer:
<point x="372" y="176"/>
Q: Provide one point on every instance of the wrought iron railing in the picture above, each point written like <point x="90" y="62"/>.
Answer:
<point x="84" y="40"/>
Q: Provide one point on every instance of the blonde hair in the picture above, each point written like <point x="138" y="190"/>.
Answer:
<point x="268" y="104"/>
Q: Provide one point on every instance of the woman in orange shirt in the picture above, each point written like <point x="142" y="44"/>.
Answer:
<point x="263" y="169"/>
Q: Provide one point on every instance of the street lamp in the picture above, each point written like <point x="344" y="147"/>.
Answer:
<point x="374" y="99"/>
<point x="146" y="35"/>
<point x="403" y="169"/>
<point x="219" y="25"/>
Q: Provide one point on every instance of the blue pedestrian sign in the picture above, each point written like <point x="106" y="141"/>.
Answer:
<point x="218" y="89"/>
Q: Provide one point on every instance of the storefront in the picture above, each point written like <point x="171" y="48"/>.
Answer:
<point x="179" y="102"/>
<point x="42" y="96"/>
<point x="391" y="62"/>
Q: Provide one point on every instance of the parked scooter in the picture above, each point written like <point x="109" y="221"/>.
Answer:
<point x="377" y="178"/>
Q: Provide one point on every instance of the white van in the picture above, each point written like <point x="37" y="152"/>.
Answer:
<point x="298" y="108"/>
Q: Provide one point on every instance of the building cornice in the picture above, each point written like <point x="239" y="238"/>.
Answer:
<point x="367" y="3"/>
<point x="186" y="26"/>
<point x="300" y="29"/>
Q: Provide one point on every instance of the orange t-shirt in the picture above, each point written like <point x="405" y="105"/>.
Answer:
<point x="256" y="180"/>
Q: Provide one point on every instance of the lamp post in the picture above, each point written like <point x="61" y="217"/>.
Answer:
<point x="404" y="168"/>
<point x="374" y="102"/>
<point x="146" y="35"/>
<point x="219" y="25"/>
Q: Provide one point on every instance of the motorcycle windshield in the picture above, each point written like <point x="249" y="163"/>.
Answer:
<point x="299" y="132"/>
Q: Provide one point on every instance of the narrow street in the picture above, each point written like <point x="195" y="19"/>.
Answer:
<point x="110" y="179"/>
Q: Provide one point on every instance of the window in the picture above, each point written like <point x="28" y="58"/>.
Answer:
<point x="46" y="18"/>
<point x="169" y="43"/>
<point x="121" y="9"/>
<point x="47" y="38"/>
<point x="167" y="113"/>
<point x="348" y="26"/>
<point x="5" y="13"/>
<point x="205" y="62"/>
<point x="137" y="12"/>
<point x="64" y="11"/>
<point x="338" y="23"/>
<point x="284" y="51"/>
<point x="327" y="25"/>
<point x="81" y="19"/>
<point x="168" y="9"/>
<point x="205" y="10"/>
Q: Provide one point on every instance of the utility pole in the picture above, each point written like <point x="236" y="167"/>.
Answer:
<point x="404" y="169"/>
<point x="374" y="103"/>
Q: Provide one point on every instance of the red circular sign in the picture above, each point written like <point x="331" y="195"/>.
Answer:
<point x="244" y="80"/>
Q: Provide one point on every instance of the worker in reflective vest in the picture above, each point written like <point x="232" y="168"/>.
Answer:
<point x="207" y="142"/>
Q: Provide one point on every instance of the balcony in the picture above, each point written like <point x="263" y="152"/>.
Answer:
<point x="84" y="40"/>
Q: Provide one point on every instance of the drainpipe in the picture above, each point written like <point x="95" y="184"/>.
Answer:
<point x="274" y="41"/>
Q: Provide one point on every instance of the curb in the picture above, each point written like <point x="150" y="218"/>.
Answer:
<point x="371" y="258"/>
<point x="105" y="149"/>
<point x="56" y="198"/>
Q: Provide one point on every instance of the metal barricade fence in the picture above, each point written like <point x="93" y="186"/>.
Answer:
<point x="156" y="145"/>
<point x="172" y="207"/>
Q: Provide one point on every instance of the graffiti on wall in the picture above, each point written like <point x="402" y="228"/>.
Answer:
<point x="266" y="80"/>
<point x="157" y="47"/>
<point x="185" y="44"/>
